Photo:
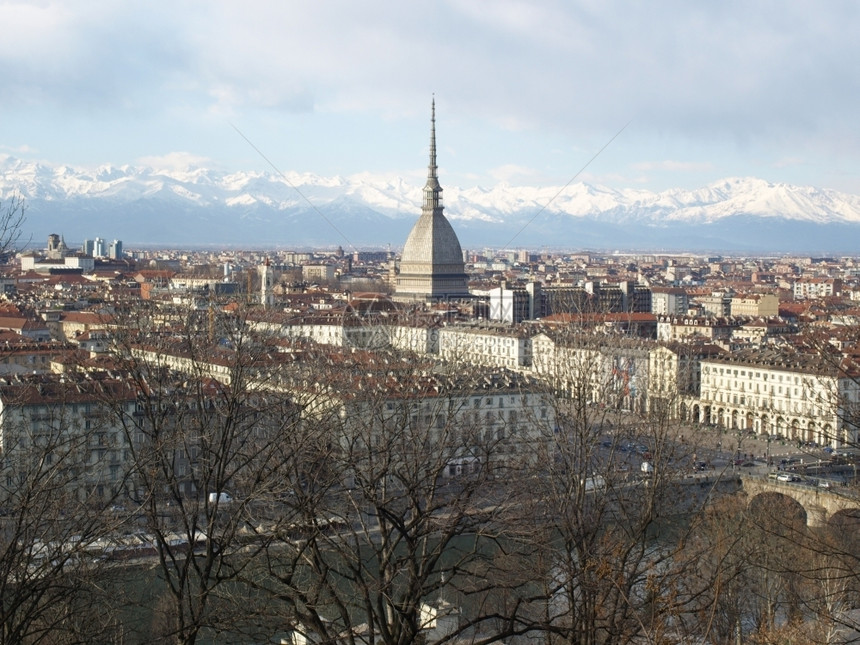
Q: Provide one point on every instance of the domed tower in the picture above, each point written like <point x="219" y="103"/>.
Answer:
<point x="431" y="267"/>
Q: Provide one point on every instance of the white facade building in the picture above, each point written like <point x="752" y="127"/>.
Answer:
<point x="486" y="345"/>
<point x="799" y="397"/>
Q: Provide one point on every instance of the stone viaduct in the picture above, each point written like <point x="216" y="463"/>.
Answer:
<point x="820" y="504"/>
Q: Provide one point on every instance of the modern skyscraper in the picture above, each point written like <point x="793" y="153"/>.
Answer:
<point x="431" y="267"/>
<point x="115" y="250"/>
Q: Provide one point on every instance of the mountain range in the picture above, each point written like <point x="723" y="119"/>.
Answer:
<point x="205" y="207"/>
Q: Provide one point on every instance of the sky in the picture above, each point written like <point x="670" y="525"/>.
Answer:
<point x="650" y="95"/>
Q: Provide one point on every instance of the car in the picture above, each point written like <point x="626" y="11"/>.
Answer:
<point x="828" y="449"/>
<point x="700" y="465"/>
<point x="788" y="477"/>
<point x="825" y="483"/>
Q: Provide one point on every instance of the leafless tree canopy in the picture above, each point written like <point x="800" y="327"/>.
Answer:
<point x="12" y="217"/>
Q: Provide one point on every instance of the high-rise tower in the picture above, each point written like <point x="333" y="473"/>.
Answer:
<point x="267" y="283"/>
<point x="431" y="267"/>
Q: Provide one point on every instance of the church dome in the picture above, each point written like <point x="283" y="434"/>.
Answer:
<point x="432" y="242"/>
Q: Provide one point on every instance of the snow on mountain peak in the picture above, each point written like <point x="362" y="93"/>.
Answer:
<point x="395" y="198"/>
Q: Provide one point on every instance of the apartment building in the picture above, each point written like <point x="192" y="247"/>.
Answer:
<point x="797" y="396"/>
<point x="418" y="338"/>
<point x="672" y="301"/>
<point x="69" y="424"/>
<point x="460" y="422"/>
<point x="755" y="305"/>
<point x="487" y="345"/>
<point x="675" y="371"/>
<point x="816" y="288"/>
<point x="671" y="328"/>
<point x="607" y="370"/>
<point x="336" y="327"/>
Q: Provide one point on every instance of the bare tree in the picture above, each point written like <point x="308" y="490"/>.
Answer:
<point x="611" y="504"/>
<point x="397" y="534"/>
<point x="208" y="461"/>
<point x="56" y="496"/>
<point x="12" y="218"/>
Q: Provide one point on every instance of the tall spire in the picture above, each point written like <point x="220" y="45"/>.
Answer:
<point x="432" y="169"/>
<point x="431" y="265"/>
<point x="432" y="189"/>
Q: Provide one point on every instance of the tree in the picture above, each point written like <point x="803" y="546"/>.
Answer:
<point x="207" y="443"/>
<point x="12" y="218"/>
<point x="56" y="496"/>
<point x="398" y="538"/>
<point x="610" y="505"/>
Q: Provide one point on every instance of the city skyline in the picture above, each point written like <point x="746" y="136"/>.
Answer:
<point x="680" y="96"/>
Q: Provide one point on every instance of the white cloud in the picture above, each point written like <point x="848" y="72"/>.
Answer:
<point x="23" y="149"/>
<point x="774" y="78"/>
<point x="176" y="161"/>
<point x="513" y="174"/>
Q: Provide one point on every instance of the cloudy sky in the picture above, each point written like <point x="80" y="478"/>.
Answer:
<point x="675" y="93"/>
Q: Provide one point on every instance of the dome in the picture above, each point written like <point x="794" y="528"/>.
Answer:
<point x="432" y="241"/>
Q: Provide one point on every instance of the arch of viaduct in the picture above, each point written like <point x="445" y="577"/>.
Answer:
<point x="820" y="504"/>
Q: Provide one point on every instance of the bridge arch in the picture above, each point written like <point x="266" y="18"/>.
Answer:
<point x="819" y="504"/>
<point x="784" y="508"/>
<point x="847" y="519"/>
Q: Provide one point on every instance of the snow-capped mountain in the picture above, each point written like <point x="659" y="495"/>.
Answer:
<point x="204" y="206"/>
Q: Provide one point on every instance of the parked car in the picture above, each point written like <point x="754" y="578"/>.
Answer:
<point x="788" y="477"/>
